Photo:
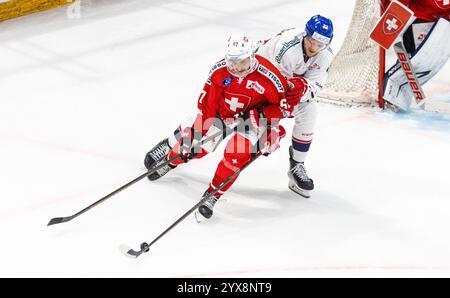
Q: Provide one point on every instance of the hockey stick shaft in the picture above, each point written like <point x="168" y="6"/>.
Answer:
<point x="145" y="247"/>
<point x="58" y="220"/>
<point x="228" y="180"/>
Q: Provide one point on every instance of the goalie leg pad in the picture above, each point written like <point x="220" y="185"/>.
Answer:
<point x="427" y="60"/>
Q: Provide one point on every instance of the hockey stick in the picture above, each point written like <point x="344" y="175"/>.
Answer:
<point x="58" y="220"/>
<point x="145" y="247"/>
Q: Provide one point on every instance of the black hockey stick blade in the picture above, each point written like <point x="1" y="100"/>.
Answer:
<point x="58" y="220"/>
<point x="131" y="253"/>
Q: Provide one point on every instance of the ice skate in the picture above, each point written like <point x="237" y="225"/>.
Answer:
<point x="156" y="156"/>
<point x="299" y="182"/>
<point x="205" y="211"/>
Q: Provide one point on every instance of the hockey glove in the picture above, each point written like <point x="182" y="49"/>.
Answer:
<point x="254" y="120"/>
<point x="189" y="139"/>
<point x="298" y="86"/>
<point x="274" y="136"/>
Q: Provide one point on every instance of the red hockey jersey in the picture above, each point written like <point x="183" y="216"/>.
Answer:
<point x="225" y="95"/>
<point x="428" y="10"/>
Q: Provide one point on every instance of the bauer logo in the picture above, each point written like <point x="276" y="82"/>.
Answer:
<point x="443" y="4"/>
<point x="392" y="24"/>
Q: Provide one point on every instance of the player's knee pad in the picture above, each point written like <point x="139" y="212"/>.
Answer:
<point x="236" y="160"/>
<point x="238" y="152"/>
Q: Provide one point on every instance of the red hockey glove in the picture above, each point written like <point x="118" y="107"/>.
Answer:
<point x="298" y="86"/>
<point x="189" y="139"/>
<point x="274" y="136"/>
<point x="253" y="119"/>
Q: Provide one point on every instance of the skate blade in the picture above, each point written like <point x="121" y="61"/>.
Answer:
<point x="198" y="217"/>
<point x="302" y="192"/>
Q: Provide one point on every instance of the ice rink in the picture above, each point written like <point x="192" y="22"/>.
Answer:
<point x="87" y="90"/>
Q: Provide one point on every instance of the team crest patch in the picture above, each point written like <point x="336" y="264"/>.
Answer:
<point x="236" y="103"/>
<point x="392" y="24"/>
<point x="227" y="81"/>
<point x="314" y="66"/>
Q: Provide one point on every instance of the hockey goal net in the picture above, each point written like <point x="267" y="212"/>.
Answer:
<point x="354" y="76"/>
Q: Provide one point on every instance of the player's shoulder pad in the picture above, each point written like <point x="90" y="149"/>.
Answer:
<point x="288" y="41"/>
<point x="290" y="33"/>
<point x="215" y="70"/>
<point x="218" y="65"/>
<point x="267" y="69"/>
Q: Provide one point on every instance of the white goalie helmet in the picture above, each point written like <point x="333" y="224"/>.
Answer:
<point x="240" y="55"/>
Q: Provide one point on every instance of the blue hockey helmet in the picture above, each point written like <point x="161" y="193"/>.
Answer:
<point x="320" y="28"/>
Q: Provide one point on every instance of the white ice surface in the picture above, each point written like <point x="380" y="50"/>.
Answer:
<point x="82" y="100"/>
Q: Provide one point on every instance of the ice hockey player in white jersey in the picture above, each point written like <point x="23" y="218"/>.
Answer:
<point x="304" y="55"/>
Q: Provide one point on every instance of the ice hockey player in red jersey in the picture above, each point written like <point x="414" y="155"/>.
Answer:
<point x="427" y="42"/>
<point x="241" y="84"/>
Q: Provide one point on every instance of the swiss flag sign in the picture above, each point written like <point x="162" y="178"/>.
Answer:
<point x="392" y="23"/>
<point x="442" y="4"/>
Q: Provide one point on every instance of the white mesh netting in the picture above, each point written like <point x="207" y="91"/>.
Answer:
<point x="353" y="75"/>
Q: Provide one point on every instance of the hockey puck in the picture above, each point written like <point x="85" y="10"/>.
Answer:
<point x="145" y="247"/>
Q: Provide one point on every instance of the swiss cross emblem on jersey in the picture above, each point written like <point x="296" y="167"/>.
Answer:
<point x="392" y="24"/>
<point x="442" y="4"/>
<point x="236" y="103"/>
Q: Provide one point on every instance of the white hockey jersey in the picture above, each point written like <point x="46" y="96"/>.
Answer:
<point x="285" y="51"/>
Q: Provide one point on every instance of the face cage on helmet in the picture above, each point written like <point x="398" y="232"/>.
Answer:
<point x="251" y="68"/>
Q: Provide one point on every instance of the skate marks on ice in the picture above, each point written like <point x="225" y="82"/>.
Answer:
<point x="249" y="206"/>
<point x="95" y="11"/>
